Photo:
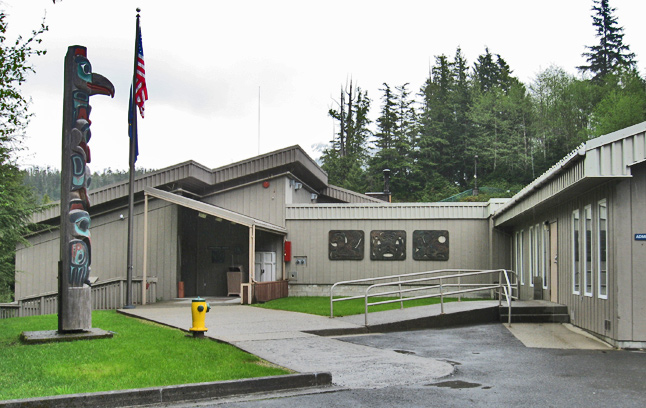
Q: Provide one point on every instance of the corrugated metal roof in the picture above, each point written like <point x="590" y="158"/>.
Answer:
<point x="194" y="177"/>
<point x="290" y="156"/>
<point x="189" y="173"/>
<point x="608" y="156"/>
<point x="214" y="210"/>
<point x="388" y="211"/>
<point x="348" y="196"/>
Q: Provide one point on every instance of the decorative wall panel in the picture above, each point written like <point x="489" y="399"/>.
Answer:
<point x="345" y="245"/>
<point x="431" y="245"/>
<point x="388" y="245"/>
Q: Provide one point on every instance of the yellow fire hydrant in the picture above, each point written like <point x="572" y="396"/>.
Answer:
<point x="199" y="309"/>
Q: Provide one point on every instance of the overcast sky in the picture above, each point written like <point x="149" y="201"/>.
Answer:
<point x="207" y="63"/>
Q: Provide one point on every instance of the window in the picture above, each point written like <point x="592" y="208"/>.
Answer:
<point x="532" y="258"/>
<point x="520" y="257"/>
<point x="537" y="251"/>
<point x="545" y="258"/>
<point x="517" y="254"/>
<point x="576" y="276"/>
<point x="587" y="245"/>
<point x="602" y="249"/>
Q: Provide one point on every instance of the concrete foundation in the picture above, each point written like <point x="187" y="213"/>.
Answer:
<point x="52" y="336"/>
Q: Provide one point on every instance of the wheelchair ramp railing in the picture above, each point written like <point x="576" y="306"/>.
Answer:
<point x="429" y="284"/>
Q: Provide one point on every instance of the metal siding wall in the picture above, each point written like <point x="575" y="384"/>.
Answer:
<point x="468" y="240"/>
<point x="300" y="196"/>
<point x="109" y="250"/>
<point x="387" y="211"/>
<point x="266" y="204"/>
<point x="564" y="180"/>
<point x="38" y="265"/>
<point x="621" y="213"/>
<point x="638" y="200"/>
<point x="109" y="245"/>
<point x="162" y="246"/>
<point x="588" y="312"/>
<point x="502" y="245"/>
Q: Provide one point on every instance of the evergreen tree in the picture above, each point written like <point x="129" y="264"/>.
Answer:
<point x="562" y="108"/>
<point x="405" y="187"/>
<point x="436" y="123"/>
<point x="623" y="103"/>
<point x="16" y="201"/>
<point x="395" y="131"/>
<point x="46" y="182"/>
<point x="434" y="118"/>
<point x="463" y="143"/>
<point x="491" y="72"/>
<point x="345" y="159"/>
<point x="611" y="53"/>
<point x="501" y="113"/>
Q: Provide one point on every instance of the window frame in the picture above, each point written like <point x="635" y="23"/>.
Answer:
<point x="520" y="257"/>
<point x="537" y="251"/>
<point x="575" y="222"/>
<point x="532" y="258"/>
<point x="601" y="295"/>
<point x="588" y="262"/>
<point x="545" y="255"/>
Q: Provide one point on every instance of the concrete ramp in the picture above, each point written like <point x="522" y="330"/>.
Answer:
<point x="556" y="336"/>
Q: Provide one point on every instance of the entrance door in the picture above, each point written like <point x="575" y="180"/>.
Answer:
<point x="554" y="269"/>
<point x="265" y="268"/>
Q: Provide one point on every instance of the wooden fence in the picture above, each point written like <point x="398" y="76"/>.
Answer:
<point x="266" y="291"/>
<point x="106" y="295"/>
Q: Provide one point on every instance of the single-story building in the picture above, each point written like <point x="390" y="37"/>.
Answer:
<point x="575" y="235"/>
<point x="578" y="234"/>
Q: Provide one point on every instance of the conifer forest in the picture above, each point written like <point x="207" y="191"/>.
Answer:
<point x="476" y="118"/>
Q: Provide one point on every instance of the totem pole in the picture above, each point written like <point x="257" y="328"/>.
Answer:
<point x="74" y="305"/>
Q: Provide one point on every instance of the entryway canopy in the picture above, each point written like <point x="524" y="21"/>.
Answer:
<point x="215" y="211"/>
<point x="252" y="223"/>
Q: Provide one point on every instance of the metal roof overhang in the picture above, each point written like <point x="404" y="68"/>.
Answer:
<point x="215" y="211"/>
<point x="527" y="211"/>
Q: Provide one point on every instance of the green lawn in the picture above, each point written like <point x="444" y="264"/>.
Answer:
<point x="320" y="305"/>
<point x="141" y="354"/>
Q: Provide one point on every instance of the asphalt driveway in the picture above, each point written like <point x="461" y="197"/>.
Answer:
<point x="492" y="368"/>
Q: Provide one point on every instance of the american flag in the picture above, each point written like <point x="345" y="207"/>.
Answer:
<point x="141" y="92"/>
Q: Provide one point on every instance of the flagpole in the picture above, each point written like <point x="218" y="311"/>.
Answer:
<point x="131" y="190"/>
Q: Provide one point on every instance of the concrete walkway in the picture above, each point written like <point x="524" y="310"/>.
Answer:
<point x="292" y="340"/>
<point x="281" y="338"/>
<point x="562" y="336"/>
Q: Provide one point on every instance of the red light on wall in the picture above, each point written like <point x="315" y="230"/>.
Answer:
<point x="288" y="251"/>
<point x="265" y="184"/>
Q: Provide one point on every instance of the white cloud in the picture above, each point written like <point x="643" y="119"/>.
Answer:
<point x="206" y="60"/>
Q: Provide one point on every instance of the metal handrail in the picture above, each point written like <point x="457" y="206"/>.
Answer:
<point x="504" y="288"/>
<point x="379" y="278"/>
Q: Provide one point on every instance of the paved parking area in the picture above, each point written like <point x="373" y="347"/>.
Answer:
<point x="546" y="365"/>
<point x="492" y="368"/>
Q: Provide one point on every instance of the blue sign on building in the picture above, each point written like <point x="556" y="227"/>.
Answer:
<point x="640" y="237"/>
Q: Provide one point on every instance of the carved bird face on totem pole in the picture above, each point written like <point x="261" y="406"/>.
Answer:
<point x="81" y="83"/>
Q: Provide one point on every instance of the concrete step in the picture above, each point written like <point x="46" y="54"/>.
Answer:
<point x="536" y="314"/>
<point x="535" y="318"/>
<point x="557" y="309"/>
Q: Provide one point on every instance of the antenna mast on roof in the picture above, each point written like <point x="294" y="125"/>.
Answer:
<point x="258" y="120"/>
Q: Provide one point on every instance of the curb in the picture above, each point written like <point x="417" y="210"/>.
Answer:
<point x="176" y="393"/>
<point x="456" y="319"/>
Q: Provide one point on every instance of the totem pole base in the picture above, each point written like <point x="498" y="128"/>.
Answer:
<point x="52" y="336"/>
<point x="76" y="311"/>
